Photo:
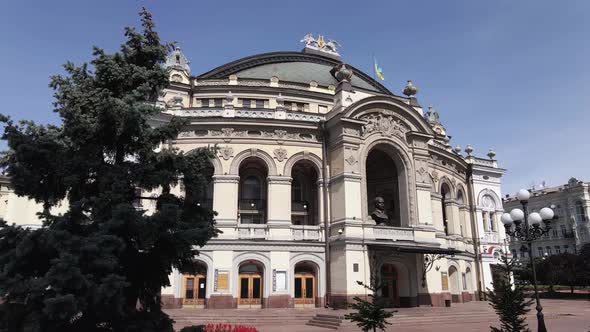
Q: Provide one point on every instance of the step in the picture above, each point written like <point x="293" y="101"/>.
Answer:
<point x="329" y="322"/>
<point x="328" y="319"/>
<point x="326" y="326"/>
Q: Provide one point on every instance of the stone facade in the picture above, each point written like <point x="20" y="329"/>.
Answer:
<point x="571" y="229"/>
<point x="300" y="162"/>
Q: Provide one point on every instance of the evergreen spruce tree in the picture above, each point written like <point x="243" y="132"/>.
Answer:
<point x="509" y="301"/>
<point x="100" y="264"/>
<point x="371" y="313"/>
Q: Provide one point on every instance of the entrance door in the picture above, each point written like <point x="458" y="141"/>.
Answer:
<point x="304" y="290"/>
<point x="194" y="290"/>
<point x="250" y="292"/>
<point x="389" y="285"/>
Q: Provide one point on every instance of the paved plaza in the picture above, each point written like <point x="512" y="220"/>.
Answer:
<point x="560" y="315"/>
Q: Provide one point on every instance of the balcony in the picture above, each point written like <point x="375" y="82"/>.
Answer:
<point x="306" y="233"/>
<point x="252" y="211"/>
<point x="252" y="231"/>
<point x="491" y="237"/>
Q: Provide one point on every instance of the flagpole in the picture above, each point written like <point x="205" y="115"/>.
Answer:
<point x="373" y="67"/>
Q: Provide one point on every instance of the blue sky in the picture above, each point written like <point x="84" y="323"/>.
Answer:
<point x="509" y="75"/>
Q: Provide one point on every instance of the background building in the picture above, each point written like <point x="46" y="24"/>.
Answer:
<point x="571" y="229"/>
<point x="306" y="144"/>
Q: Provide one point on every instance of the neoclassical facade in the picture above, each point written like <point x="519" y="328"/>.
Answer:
<point x="569" y="231"/>
<point x="306" y="143"/>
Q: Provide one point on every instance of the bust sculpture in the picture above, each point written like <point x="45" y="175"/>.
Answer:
<point x="379" y="214"/>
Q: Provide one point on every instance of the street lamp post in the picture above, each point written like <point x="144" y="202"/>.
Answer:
<point x="529" y="232"/>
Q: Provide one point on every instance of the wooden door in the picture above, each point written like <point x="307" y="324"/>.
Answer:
<point x="250" y="291"/>
<point x="389" y="289"/>
<point x="194" y="290"/>
<point x="305" y="290"/>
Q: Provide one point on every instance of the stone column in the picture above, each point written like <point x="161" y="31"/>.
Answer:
<point x="320" y="202"/>
<point x="225" y="199"/>
<point x="279" y="207"/>
<point x="437" y="215"/>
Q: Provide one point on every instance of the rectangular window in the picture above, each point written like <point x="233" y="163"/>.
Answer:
<point x="355" y="267"/>
<point x="563" y="230"/>
<point x="444" y="281"/>
<point x="549" y="251"/>
<point x="565" y="248"/>
<point x="555" y="233"/>
<point x="557" y="250"/>
<point x="247" y="103"/>
<point x="295" y="106"/>
<point x="218" y="102"/>
<point x="204" y="102"/>
<point x="540" y="249"/>
<point x="259" y="103"/>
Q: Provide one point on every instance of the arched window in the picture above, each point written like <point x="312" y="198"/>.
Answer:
<point x="296" y="192"/>
<point x="252" y="191"/>
<point x="462" y="213"/>
<point x="382" y="176"/>
<point x="488" y="213"/>
<point x="580" y="212"/>
<point x="251" y="188"/>
<point x="444" y="192"/>
<point x="304" y="194"/>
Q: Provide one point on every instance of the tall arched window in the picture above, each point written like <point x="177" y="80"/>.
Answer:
<point x="445" y="193"/>
<point x="382" y="181"/>
<point x="580" y="212"/>
<point x="488" y="213"/>
<point x="462" y="213"/>
<point x="252" y="191"/>
<point x="304" y="194"/>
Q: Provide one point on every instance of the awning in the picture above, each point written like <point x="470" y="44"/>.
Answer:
<point x="414" y="248"/>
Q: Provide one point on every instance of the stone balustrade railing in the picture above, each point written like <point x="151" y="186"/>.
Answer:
<point x="250" y="113"/>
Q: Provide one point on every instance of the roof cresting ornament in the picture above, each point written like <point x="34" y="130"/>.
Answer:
<point x="320" y="44"/>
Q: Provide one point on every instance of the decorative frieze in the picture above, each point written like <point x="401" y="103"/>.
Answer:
<point x="228" y="133"/>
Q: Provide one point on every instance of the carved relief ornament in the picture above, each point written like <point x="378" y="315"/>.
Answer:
<point x="385" y="124"/>
<point x="280" y="154"/>
<point x="226" y="152"/>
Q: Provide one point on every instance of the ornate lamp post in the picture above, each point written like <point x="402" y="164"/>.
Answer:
<point x="529" y="232"/>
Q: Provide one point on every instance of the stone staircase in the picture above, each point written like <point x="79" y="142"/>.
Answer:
<point x="326" y="321"/>
<point x="250" y="317"/>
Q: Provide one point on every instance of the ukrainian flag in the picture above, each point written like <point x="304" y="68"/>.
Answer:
<point x="379" y="71"/>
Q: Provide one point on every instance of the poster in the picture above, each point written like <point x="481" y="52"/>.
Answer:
<point x="222" y="280"/>
<point x="281" y="280"/>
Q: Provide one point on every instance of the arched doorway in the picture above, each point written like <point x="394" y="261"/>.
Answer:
<point x="389" y="285"/>
<point x="250" y="285"/>
<point x="382" y="181"/>
<point x="454" y="284"/>
<point x="305" y="285"/>
<point x="194" y="286"/>
<point x="304" y="193"/>
<point x="252" y="191"/>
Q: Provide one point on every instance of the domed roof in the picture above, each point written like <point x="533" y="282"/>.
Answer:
<point x="292" y="67"/>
